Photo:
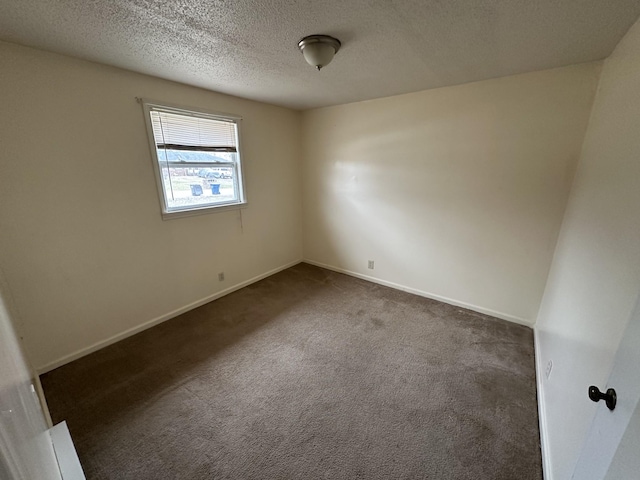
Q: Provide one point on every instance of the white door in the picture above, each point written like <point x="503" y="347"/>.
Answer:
<point x="611" y="449"/>
<point x="26" y="451"/>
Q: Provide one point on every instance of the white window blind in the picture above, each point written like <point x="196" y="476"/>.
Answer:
<point x="195" y="133"/>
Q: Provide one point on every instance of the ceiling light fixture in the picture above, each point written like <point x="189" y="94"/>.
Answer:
<point x="318" y="50"/>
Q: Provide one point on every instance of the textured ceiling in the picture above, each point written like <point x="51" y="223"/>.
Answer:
<point x="249" y="48"/>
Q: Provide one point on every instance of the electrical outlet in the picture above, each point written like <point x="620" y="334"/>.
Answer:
<point x="221" y="277"/>
<point x="371" y="264"/>
<point x="547" y="371"/>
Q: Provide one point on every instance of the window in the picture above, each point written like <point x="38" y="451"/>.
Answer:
<point x="196" y="158"/>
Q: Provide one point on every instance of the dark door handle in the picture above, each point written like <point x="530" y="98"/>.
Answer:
<point x="610" y="397"/>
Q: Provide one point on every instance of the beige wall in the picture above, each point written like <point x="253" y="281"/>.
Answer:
<point x="595" y="278"/>
<point x="84" y="249"/>
<point x="456" y="192"/>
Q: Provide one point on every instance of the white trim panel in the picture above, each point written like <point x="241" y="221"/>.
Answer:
<point x="66" y="454"/>
<point x="155" y="321"/>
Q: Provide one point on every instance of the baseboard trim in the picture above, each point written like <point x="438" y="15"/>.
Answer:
<point x="155" y="321"/>
<point x="542" y="416"/>
<point x="432" y="296"/>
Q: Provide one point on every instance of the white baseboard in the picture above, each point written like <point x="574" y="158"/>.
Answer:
<point x="542" y="416"/>
<point x="155" y="321"/>
<point x="432" y="296"/>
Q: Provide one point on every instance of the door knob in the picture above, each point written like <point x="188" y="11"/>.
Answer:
<point x="610" y="397"/>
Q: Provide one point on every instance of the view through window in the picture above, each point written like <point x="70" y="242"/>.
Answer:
<point x="197" y="158"/>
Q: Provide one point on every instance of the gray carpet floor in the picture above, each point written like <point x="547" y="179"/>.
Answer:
<point x="308" y="374"/>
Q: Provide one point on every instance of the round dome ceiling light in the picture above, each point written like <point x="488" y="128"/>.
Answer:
<point x="318" y="50"/>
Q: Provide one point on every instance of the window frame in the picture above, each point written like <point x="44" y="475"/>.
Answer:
<point x="239" y="182"/>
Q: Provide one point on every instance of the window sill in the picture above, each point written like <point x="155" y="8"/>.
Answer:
<point x="203" y="211"/>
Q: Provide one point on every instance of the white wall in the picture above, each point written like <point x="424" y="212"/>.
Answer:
<point x="595" y="276"/>
<point x="456" y="192"/>
<point x="85" y="251"/>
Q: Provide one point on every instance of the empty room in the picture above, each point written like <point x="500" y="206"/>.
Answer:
<point x="305" y="240"/>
